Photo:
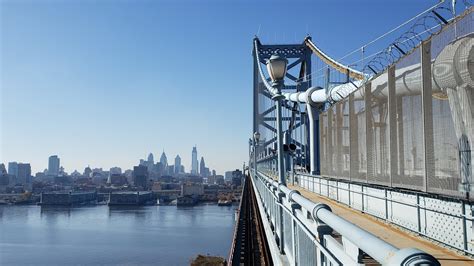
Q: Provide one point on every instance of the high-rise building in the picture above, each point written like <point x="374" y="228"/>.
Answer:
<point x="194" y="161"/>
<point x="24" y="174"/>
<point x="228" y="176"/>
<point x="4" y="178"/>
<point x="151" y="160"/>
<point x="164" y="163"/>
<point x="53" y="165"/>
<point x="3" y="170"/>
<point x="149" y="163"/>
<point x="177" y="164"/>
<point x="237" y="177"/>
<point x="202" y="168"/>
<point x="13" y="169"/>
<point x="170" y="170"/>
<point x="164" y="159"/>
<point x="140" y="176"/>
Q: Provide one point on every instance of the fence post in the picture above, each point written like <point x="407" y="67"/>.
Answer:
<point x="427" y="110"/>
<point x="392" y="124"/>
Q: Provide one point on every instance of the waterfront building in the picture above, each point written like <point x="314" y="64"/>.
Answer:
<point x="53" y="165"/>
<point x="194" y="161"/>
<point x="192" y="189"/>
<point x="186" y="201"/>
<point x="140" y="176"/>
<point x="125" y="198"/>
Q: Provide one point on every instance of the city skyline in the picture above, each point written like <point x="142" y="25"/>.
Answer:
<point x="56" y="161"/>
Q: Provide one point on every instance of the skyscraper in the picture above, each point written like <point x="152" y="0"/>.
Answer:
<point x="177" y="164"/>
<point x="194" y="161"/>
<point x="164" y="159"/>
<point x="13" y="169"/>
<point x="24" y="174"/>
<point x="150" y="163"/>
<point x="53" y="165"/>
<point x="140" y="176"/>
<point x="164" y="163"/>
<point x="3" y="170"/>
<point x="202" y="168"/>
<point x="150" y="159"/>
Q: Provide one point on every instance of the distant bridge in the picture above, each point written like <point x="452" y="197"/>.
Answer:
<point x="365" y="160"/>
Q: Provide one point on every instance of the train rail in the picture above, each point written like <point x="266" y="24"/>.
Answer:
<point x="249" y="245"/>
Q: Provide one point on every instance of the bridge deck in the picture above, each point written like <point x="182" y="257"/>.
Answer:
<point x="389" y="233"/>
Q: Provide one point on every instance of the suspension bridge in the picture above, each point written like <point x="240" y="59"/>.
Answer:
<point x="364" y="159"/>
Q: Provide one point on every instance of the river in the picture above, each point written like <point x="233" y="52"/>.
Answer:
<point x="97" y="235"/>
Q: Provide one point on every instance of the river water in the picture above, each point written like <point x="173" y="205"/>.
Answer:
<point x="97" y="235"/>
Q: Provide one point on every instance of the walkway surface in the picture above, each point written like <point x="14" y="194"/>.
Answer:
<point x="387" y="232"/>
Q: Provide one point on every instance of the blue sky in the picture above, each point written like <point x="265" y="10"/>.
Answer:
<point x="103" y="83"/>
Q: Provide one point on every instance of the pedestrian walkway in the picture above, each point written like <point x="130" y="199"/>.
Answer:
<point x="390" y="233"/>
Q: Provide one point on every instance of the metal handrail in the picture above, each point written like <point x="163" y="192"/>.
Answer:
<point x="384" y="198"/>
<point x="378" y="249"/>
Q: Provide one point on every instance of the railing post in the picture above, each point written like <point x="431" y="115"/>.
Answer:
<point x="255" y="157"/>
<point x="418" y="213"/>
<point x="464" y="226"/>
<point x="427" y="111"/>
<point x="368" y="132"/>
<point x="392" y="123"/>
<point x="294" y="207"/>
<point x="281" y="222"/>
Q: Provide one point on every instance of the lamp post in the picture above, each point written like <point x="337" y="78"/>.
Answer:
<point x="256" y="139"/>
<point x="276" y="67"/>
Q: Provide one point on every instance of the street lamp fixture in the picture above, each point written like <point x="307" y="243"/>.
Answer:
<point x="276" y="67"/>
<point x="256" y="136"/>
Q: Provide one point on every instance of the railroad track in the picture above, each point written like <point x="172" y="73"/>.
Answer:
<point x="250" y="245"/>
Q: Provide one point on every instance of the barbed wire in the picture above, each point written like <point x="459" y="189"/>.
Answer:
<point x="426" y="26"/>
